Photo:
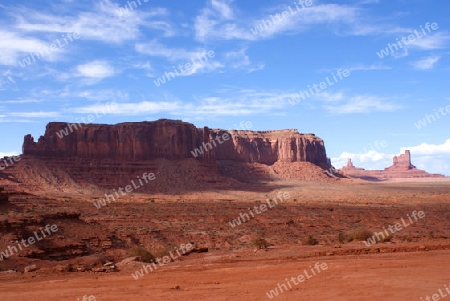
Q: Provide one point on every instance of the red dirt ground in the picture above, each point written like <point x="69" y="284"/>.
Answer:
<point x="412" y="265"/>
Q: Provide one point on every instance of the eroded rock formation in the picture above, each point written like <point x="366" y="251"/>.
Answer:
<point x="174" y="140"/>
<point x="402" y="162"/>
<point x="181" y="156"/>
<point x="350" y="167"/>
<point x="125" y="141"/>
<point x="401" y="168"/>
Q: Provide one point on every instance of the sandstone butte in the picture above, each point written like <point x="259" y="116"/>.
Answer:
<point x="401" y="168"/>
<point x="100" y="156"/>
<point x="171" y="139"/>
<point x="107" y="156"/>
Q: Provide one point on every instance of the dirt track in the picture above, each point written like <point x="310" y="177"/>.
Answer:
<point x="398" y="276"/>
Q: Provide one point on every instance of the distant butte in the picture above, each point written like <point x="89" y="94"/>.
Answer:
<point x="401" y="168"/>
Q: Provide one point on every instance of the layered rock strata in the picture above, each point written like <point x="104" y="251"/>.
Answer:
<point x="182" y="156"/>
<point x="171" y="139"/>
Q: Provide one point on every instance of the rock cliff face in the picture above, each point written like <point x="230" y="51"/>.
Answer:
<point x="174" y="140"/>
<point x="128" y="141"/>
<point x="269" y="147"/>
<point x="182" y="157"/>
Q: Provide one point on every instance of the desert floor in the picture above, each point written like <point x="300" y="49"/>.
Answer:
<point x="414" y="264"/>
<point x="395" y="276"/>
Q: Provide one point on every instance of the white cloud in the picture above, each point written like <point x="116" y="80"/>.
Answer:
<point x="6" y="79"/>
<point x="8" y="154"/>
<point x="201" y="60"/>
<point x="433" y="158"/>
<point x="430" y="149"/>
<point x="103" y="22"/>
<point x="369" y="67"/>
<point x="40" y="114"/>
<point x="240" y="60"/>
<point x="24" y="100"/>
<point x="227" y="102"/>
<point x="426" y="63"/>
<point x="305" y="17"/>
<point x="359" y="67"/>
<point x="16" y="47"/>
<point x="35" y="114"/>
<point x="363" y="2"/>
<point x="232" y="59"/>
<point x="325" y="96"/>
<point x="205" y="67"/>
<point x="154" y="48"/>
<point x="245" y="102"/>
<point x="219" y="21"/>
<point x="99" y="95"/>
<point x="15" y="120"/>
<point x="223" y="8"/>
<point x="130" y="109"/>
<point x="362" y="104"/>
<point x="400" y="53"/>
<point x="95" y="70"/>
<point x="147" y="67"/>
<point x="430" y="42"/>
<point x="370" y="159"/>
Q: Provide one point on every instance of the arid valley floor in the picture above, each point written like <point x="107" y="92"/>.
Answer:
<point x="413" y="264"/>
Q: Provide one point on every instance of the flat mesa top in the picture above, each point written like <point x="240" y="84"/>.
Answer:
<point x="270" y="133"/>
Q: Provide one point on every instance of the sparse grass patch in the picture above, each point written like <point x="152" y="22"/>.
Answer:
<point x="310" y="241"/>
<point x="143" y="253"/>
<point x="161" y="252"/>
<point x="260" y="243"/>
<point x="360" y="234"/>
<point x="385" y="238"/>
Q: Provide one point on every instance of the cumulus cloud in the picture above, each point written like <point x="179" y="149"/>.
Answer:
<point x="430" y="149"/>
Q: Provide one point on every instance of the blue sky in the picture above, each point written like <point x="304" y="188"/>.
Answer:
<point x="241" y="61"/>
